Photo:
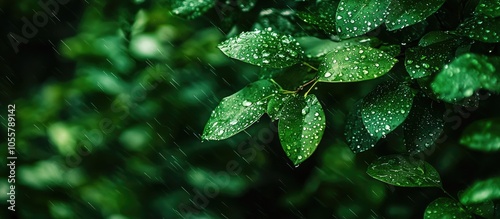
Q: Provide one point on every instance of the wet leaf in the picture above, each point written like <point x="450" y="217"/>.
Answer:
<point x="263" y="48"/>
<point x="481" y="28"/>
<point x="404" y="171"/>
<point x="424" y="124"/>
<point x="425" y="61"/>
<point x="488" y="7"/>
<point x="385" y="108"/>
<point x="403" y="13"/>
<point x="316" y="48"/>
<point x="482" y="191"/>
<point x="465" y="75"/>
<point x="191" y="8"/>
<point x="355" y="63"/>
<point x="357" y="136"/>
<point x="284" y="22"/>
<point x="445" y="208"/>
<point x="275" y="104"/>
<point x="484" y="209"/>
<point x="482" y="135"/>
<point x="357" y="17"/>
<point x="322" y="14"/>
<point x="301" y="127"/>
<point x="237" y="112"/>
<point x="435" y="37"/>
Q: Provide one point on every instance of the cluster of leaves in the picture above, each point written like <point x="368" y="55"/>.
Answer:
<point x="430" y="63"/>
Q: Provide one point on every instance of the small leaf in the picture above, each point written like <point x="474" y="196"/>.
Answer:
<point x="301" y="127"/>
<point x="434" y="37"/>
<point x="237" y="112"/>
<point x="275" y="105"/>
<point x="263" y="48"/>
<point x="355" y="63"/>
<point x="246" y="5"/>
<point x="322" y="14"/>
<point x="424" y="125"/>
<point x="404" y="171"/>
<point x="385" y="108"/>
<point x="445" y="208"/>
<point x="285" y="22"/>
<point x="403" y="13"/>
<point x="481" y="28"/>
<point x="482" y="135"/>
<point x="357" y="136"/>
<point x="425" y="61"/>
<point x="484" y="209"/>
<point x="488" y="7"/>
<point x="465" y="75"/>
<point x="482" y="191"/>
<point x="316" y="48"/>
<point x="358" y="17"/>
<point x="191" y="8"/>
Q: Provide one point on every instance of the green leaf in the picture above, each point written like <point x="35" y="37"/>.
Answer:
<point x="481" y="28"/>
<point x="263" y="48"/>
<point x="237" y="112"/>
<point x="385" y="108"/>
<point x="246" y="5"/>
<point x="445" y="208"/>
<point x="284" y="22"/>
<point x="465" y="75"/>
<point x="434" y="37"/>
<point x="484" y="209"/>
<point x="357" y="136"/>
<point x="403" y="13"/>
<point x="488" y="7"/>
<point x="424" y="61"/>
<point x="316" y="48"/>
<point x="404" y="171"/>
<point x="275" y="104"/>
<point x="482" y="191"/>
<point x="482" y="135"/>
<point x="301" y="127"/>
<point x="355" y="63"/>
<point x="322" y="14"/>
<point x="424" y="124"/>
<point x="357" y="17"/>
<point x="191" y="8"/>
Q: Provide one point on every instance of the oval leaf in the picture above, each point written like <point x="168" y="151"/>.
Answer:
<point x="355" y="63"/>
<point x="425" y="61"/>
<point x="434" y="37"/>
<point x="385" y="108"/>
<point x="403" y="13"/>
<point x="357" y="137"/>
<point x="263" y="48"/>
<point x="483" y="135"/>
<point x="301" y="127"/>
<point x="488" y="7"/>
<point x="482" y="191"/>
<point x="357" y="17"/>
<point x="404" y="171"/>
<point x="237" y="112"/>
<point x="481" y="28"/>
<point x="191" y="8"/>
<point x="423" y="126"/>
<point x="445" y="208"/>
<point x="465" y="75"/>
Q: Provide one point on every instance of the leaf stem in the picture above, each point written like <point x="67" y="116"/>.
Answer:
<point x="310" y="66"/>
<point x="310" y="88"/>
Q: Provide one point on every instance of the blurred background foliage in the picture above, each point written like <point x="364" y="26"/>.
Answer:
<point x="112" y="97"/>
